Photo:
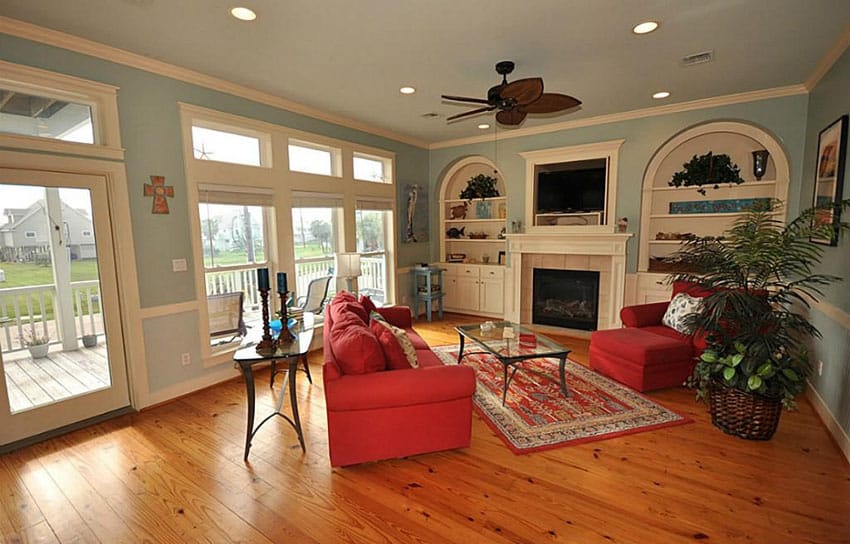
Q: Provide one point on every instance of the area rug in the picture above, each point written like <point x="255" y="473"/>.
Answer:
<point x="536" y="416"/>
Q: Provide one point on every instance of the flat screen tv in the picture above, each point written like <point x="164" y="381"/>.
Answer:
<point x="571" y="191"/>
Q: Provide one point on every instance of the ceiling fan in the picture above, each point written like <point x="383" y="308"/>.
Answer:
<point x="516" y="99"/>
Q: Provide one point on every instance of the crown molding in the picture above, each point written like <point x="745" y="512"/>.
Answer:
<point x="829" y="58"/>
<point x="35" y="33"/>
<point x="713" y="102"/>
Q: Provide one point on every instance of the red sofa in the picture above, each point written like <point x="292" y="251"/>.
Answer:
<point x="382" y="414"/>
<point x="645" y="354"/>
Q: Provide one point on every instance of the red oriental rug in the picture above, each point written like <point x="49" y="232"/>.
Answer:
<point x="536" y="416"/>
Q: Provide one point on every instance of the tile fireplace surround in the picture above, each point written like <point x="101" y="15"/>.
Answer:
<point x="601" y="252"/>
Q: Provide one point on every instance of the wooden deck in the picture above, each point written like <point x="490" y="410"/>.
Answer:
<point x="60" y="375"/>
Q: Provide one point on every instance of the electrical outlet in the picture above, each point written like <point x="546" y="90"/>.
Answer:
<point x="820" y="368"/>
<point x="186" y="359"/>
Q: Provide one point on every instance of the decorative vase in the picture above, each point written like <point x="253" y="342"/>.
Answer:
<point x="38" y="351"/>
<point x="743" y="414"/>
<point x="760" y="163"/>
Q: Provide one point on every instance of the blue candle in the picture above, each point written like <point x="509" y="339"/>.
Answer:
<point x="281" y="282"/>
<point x="263" y="279"/>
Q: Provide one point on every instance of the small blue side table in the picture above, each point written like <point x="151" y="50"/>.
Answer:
<point x="427" y="288"/>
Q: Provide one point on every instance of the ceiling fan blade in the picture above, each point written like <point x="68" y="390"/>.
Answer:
<point x="523" y="91"/>
<point x="471" y="112"/>
<point x="550" y="102"/>
<point x="510" y="117"/>
<point x="464" y="99"/>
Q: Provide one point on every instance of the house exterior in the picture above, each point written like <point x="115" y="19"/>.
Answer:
<point x="24" y="238"/>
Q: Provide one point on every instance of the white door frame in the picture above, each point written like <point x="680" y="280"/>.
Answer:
<point x="124" y="331"/>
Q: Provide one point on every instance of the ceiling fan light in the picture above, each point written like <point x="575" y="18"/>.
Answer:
<point x="646" y="27"/>
<point x="661" y="94"/>
<point x="407" y="89"/>
<point x="243" y="13"/>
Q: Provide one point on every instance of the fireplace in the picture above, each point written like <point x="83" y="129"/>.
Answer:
<point x="565" y="298"/>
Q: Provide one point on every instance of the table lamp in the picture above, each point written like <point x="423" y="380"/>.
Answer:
<point x="347" y="266"/>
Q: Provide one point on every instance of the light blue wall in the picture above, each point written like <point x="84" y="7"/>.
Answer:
<point x="151" y="135"/>
<point x="785" y="118"/>
<point x="827" y="102"/>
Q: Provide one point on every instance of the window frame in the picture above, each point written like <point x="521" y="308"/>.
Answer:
<point x="334" y="152"/>
<point x="100" y="97"/>
<point x="386" y="162"/>
<point x="264" y="141"/>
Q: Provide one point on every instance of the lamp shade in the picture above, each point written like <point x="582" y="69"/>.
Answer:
<point x="347" y="265"/>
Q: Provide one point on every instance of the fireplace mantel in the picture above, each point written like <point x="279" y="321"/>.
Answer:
<point x="609" y="249"/>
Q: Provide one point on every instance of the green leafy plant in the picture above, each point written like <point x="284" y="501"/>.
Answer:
<point x="761" y="274"/>
<point x="480" y="186"/>
<point x="708" y="169"/>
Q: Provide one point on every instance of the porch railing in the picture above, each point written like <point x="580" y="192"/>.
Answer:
<point x="30" y="311"/>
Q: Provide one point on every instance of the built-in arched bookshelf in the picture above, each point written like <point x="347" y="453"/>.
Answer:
<point x="664" y="209"/>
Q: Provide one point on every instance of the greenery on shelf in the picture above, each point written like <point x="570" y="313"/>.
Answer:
<point x="708" y="169"/>
<point x="480" y="186"/>
<point x="762" y="275"/>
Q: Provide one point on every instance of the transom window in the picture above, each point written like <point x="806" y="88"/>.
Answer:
<point x="45" y="117"/>
<point x="372" y="168"/>
<point x="313" y="158"/>
<point x="224" y="145"/>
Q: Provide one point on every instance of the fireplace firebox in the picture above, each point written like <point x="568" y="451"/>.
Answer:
<point x="565" y="298"/>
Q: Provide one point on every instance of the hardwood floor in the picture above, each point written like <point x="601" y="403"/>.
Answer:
<point x="175" y="474"/>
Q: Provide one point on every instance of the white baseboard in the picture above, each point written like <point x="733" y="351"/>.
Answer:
<point x="829" y="421"/>
<point x="190" y="386"/>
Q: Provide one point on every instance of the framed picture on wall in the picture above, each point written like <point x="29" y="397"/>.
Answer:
<point x="829" y="178"/>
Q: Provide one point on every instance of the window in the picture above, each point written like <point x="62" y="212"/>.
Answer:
<point x="45" y="117"/>
<point x="374" y="241"/>
<point x="86" y="234"/>
<point x="371" y="168"/>
<point x="29" y="234"/>
<point x="213" y="144"/>
<point x="313" y="158"/>
<point x="317" y="232"/>
<point x="235" y="242"/>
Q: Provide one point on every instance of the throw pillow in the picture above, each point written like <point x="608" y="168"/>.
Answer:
<point x="355" y="348"/>
<point x="393" y="354"/>
<point x="405" y="343"/>
<point x="343" y="307"/>
<point x="682" y="306"/>
<point x="367" y="304"/>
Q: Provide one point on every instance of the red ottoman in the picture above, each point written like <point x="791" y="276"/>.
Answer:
<point x="641" y="359"/>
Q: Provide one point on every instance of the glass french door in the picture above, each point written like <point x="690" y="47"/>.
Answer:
<point x="61" y="347"/>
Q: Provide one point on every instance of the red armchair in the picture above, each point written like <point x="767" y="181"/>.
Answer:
<point x="394" y="413"/>
<point x="646" y="354"/>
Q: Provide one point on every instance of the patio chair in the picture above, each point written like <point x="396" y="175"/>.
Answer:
<point x="225" y="315"/>
<point x="317" y="295"/>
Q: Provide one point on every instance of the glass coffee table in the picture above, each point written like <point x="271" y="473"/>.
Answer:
<point x="512" y="344"/>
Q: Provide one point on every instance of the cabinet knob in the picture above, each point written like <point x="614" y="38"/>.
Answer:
<point x="659" y="283"/>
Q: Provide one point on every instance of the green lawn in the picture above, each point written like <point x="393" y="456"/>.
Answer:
<point x="27" y="274"/>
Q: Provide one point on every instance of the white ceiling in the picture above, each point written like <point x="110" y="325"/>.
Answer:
<point x="349" y="58"/>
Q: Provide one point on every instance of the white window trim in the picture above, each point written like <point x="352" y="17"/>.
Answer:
<point x="335" y="153"/>
<point x="386" y="161"/>
<point x="101" y="98"/>
<point x="265" y="140"/>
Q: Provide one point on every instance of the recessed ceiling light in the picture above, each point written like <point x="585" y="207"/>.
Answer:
<point x="243" y="14"/>
<point x="660" y="94"/>
<point x="407" y="90"/>
<point x="483" y="126"/>
<point x="645" y="28"/>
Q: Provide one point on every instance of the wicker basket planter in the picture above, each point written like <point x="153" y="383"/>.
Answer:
<point x="746" y="415"/>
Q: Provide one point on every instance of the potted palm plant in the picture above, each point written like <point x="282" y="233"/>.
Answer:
<point x="761" y="276"/>
<point x="37" y="344"/>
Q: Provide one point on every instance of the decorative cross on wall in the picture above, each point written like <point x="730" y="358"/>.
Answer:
<point x="159" y="190"/>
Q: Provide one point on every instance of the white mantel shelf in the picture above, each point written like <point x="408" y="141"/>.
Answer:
<point x="607" y="244"/>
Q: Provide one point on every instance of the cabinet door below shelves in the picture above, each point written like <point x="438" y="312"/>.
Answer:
<point x="653" y="288"/>
<point x="492" y="296"/>
<point x="467" y="293"/>
<point x="450" y="292"/>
